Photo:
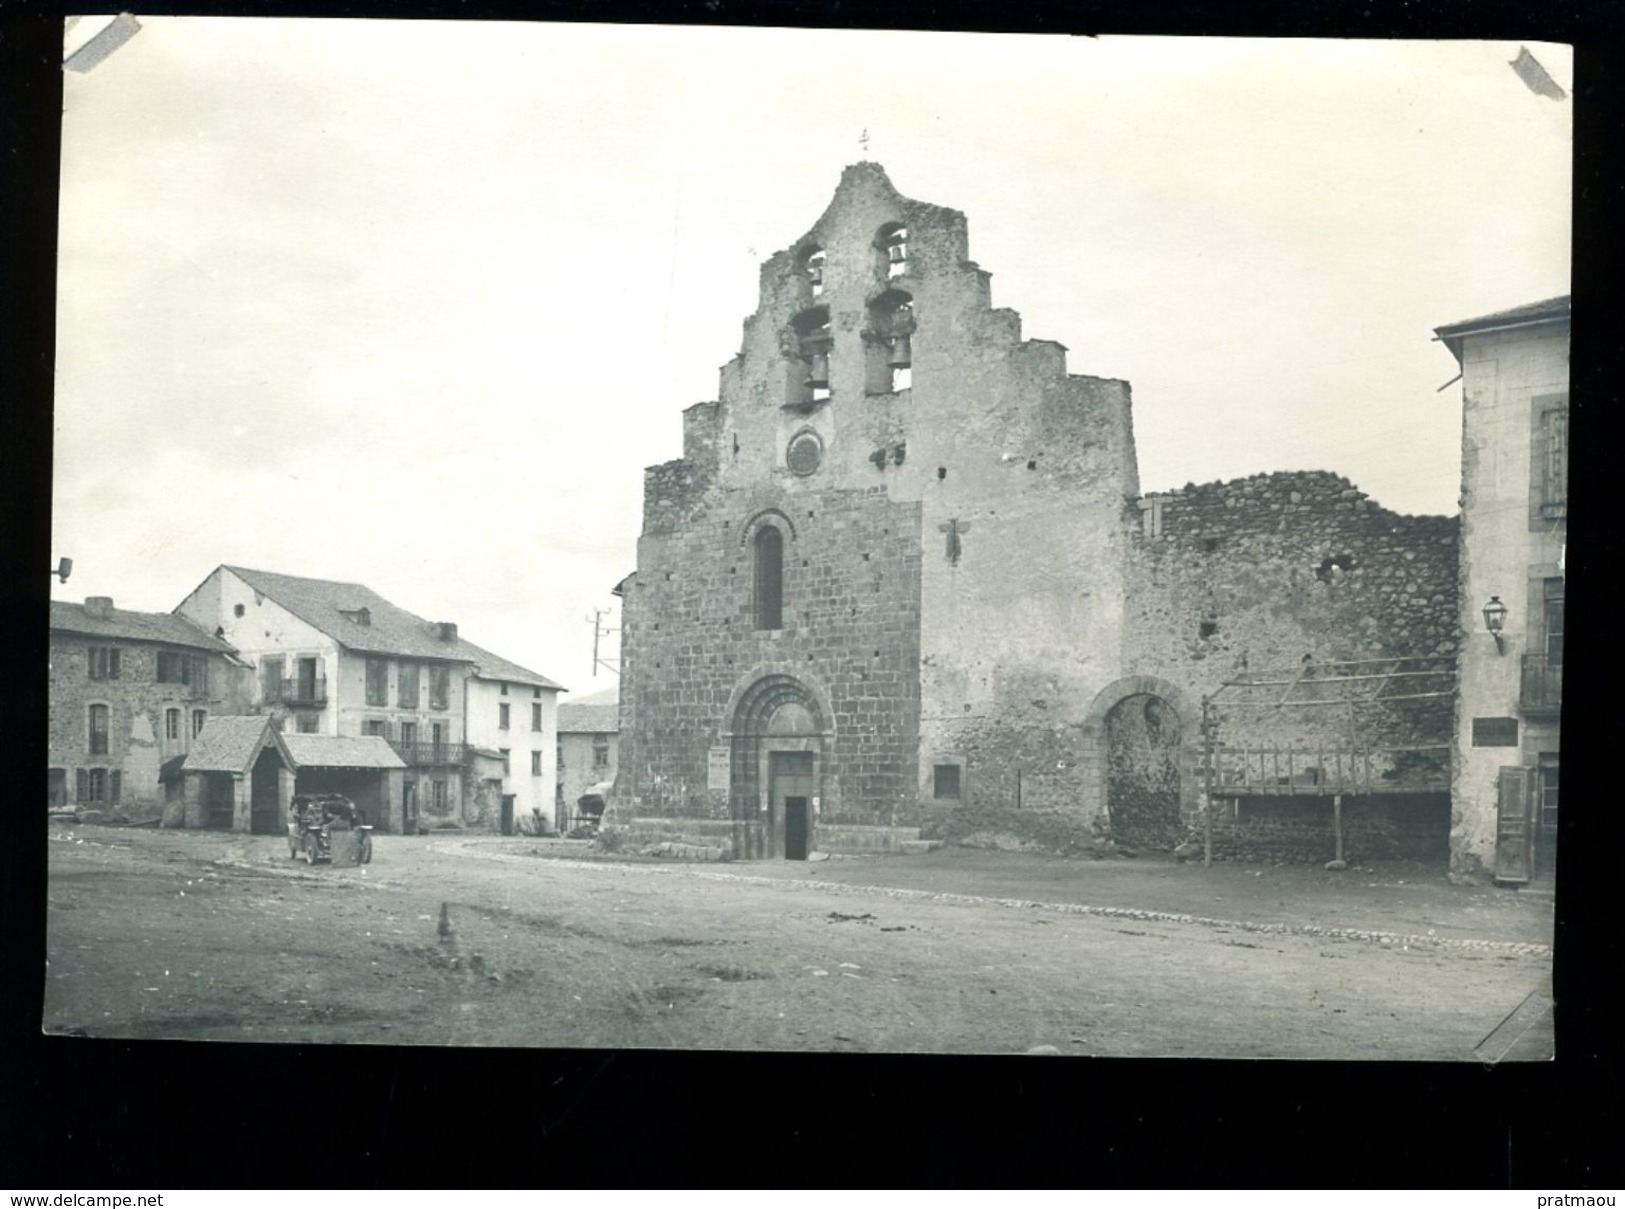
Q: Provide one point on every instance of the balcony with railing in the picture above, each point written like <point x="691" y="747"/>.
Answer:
<point x="1541" y="685"/>
<point x="300" y="690"/>
<point x="430" y="755"/>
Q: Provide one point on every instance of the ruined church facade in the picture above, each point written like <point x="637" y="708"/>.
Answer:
<point x="903" y="574"/>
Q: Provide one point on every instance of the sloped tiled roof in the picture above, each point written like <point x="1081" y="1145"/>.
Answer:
<point x="169" y="628"/>
<point x="495" y="667"/>
<point x="391" y="630"/>
<point x="596" y="713"/>
<point x="1548" y="310"/>
<point x="227" y="743"/>
<point x="341" y="751"/>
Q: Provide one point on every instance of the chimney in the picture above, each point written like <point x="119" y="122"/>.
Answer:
<point x="446" y="631"/>
<point x="100" y="607"/>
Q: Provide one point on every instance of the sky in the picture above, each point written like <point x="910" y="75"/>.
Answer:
<point x="412" y="304"/>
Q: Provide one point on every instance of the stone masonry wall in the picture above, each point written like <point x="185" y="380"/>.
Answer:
<point x="850" y="630"/>
<point x="1257" y="573"/>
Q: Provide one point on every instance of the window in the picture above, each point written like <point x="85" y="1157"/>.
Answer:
<point x="536" y="715"/>
<point x="172" y="724"/>
<point x="440" y="688"/>
<point x="507" y="765"/>
<point x="377" y="682"/>
<point x="98" y="730"/>
<point x="1555" y="461"/>
<point x="104" y="662"/>
<point x="945" y="782"/>
<point x="407" y="692"/>
<point x="503" y="688"/>
<point x="409" y="732"/>
<point x="199" y="717"/>
<point x="768" y="602"/>
<point x="98" y="785"/>
<point x="600" y="751"/>
<point x="271" y="679"/>
<point x="174" y="667"/>
<point x="558" y="758"/>
<point x="536" y="692"/>
<point x="375" y="726"/>
<point x="503" y="715"/>
<point x="437" y="796"/>
<point x="307" y="723"/>
<point x="1554" y="622"/>
<point x="535" y="763"/>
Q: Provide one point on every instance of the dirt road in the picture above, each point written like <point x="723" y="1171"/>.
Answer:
<point x="481" y="942"/>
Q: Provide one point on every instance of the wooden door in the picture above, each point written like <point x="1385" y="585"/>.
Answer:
<point x="792" y="779"/>
<point x="797" y="829"/>
<point x="1513" y="824"/>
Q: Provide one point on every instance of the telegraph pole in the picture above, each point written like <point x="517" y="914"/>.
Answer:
<point x="599" y="630"/>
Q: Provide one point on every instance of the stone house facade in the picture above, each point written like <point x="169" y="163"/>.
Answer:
<point x="904" y="577"/>
<point x="128" y="692"/>
<point x="1514" y="517"/>
<point x="337" y="659"/>
<point x="588" y="749"/>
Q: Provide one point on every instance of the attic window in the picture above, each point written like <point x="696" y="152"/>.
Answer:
<point x="361" y="616"/>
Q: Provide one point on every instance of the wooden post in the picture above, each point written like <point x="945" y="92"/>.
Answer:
<point x="1337" y="822"/>
<point x="1207" y="782"/>
<point x="1018" y="789"/>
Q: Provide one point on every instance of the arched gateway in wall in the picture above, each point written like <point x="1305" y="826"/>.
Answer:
<point x="1145" y="732"/>
<point x="779" y="754"/>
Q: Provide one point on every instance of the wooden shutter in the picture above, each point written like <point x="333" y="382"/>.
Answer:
<point x="114" y="781"/>
<point x="81" y="785"/>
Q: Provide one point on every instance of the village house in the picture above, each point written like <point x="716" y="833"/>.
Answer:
<point x="336" y="659"/>
<point x="1514" y="518"/>
<point x="129" y="691"/>
<point x="589" y="743"/>
<point x="904" y="582"/>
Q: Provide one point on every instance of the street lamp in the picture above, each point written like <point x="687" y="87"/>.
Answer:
<point x="1495" y="615"/>
<point x="63" y="569"/>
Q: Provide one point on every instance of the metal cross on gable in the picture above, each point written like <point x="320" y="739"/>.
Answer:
<point x="863" y="140"/>
<point x="953" y="528"/>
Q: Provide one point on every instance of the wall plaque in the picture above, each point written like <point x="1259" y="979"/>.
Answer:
<point x="1495" y="732"/>
<point x="717" y="769"/>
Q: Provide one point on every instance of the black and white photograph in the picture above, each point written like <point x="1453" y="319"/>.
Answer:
<point x="634" y="537"/>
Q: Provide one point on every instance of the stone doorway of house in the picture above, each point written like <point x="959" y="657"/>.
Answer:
<point x="791" y="801"/>
<point x="507" y="813"/>
<point x="57" y="787"/>
<point x="1143" y="738"/>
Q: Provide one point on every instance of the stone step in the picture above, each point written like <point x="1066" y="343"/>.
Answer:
<point x="910" y="847"/>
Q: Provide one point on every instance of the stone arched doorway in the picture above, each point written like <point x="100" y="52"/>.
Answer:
<point x="778" y="755"/>
<point x="1143" y="748"/>
<point x="1141" y="735"/>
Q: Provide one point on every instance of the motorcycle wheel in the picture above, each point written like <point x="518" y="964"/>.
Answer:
<point x="364" y="853"/>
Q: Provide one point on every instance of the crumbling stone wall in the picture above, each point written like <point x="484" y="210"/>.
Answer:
<point x="1257" y="574"/>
